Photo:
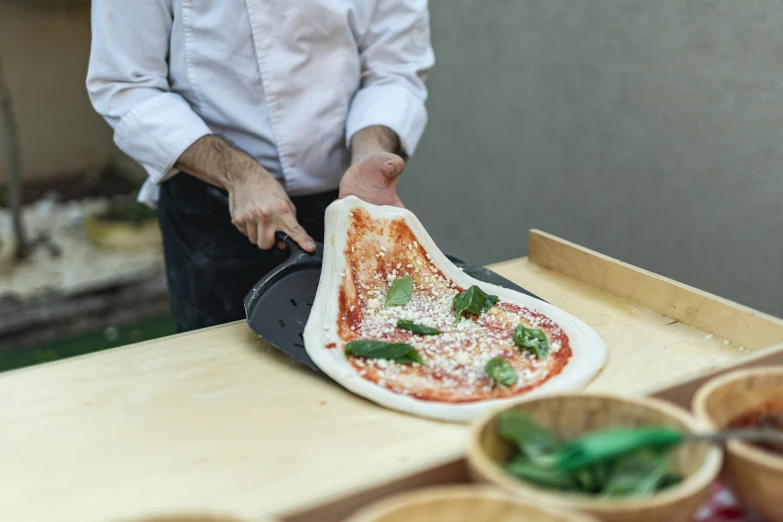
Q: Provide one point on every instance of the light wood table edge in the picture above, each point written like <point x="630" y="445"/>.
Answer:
<point x="744" y="326"/>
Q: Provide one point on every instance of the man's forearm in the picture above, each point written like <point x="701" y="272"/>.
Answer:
<point x="373" y="140"/>
<point x="217" y="162"/>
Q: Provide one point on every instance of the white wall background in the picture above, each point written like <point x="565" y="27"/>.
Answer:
<point x="44" y="52"/>
<point x="649" y="131"/>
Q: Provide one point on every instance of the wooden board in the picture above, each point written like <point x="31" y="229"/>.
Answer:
<point x="682" y="391"/>
<point x="216" y="421"/>
<point x="658" y="331"/>
<point x="741" y="325"/>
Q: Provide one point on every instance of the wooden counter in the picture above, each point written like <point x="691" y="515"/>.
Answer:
<point x="216" y="421"/>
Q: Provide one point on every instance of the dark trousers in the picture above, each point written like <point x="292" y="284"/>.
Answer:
<point x="210" y="265"/>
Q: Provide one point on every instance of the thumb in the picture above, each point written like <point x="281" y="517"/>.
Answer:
<point x="393" y="166"/>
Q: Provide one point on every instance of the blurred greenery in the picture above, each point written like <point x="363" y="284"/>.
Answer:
<point x="89" y="342"/>
<point x="129" y="211"/>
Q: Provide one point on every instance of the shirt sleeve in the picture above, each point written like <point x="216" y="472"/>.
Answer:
<point x="127" y="81"/>
<point x="396" y="57"/>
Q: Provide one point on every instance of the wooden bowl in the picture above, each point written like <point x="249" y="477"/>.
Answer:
<point x="460" y="504"/>
<point x="190" y="518"/>
<point x="755" y="475"/>
<point x="572" y="415"/>
<point x="197" y="518"/>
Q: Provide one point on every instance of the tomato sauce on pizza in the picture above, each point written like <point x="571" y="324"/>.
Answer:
<point x="379" y="251"/>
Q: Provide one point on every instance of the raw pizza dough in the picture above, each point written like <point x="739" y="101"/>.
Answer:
<point x="366" y="248"/>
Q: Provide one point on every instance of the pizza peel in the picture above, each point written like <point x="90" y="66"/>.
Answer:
<point x="278" y="306"/>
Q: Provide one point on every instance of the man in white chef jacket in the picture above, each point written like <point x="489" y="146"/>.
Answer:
<point x="283" y="104"/>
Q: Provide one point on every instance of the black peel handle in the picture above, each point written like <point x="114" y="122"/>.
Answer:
<point x="221" y="197"/>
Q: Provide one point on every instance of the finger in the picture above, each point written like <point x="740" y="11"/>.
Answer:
<point x="266" y="235"/>
<point x="241" y="227"/>
<point x="284" y="204"/>
<point x="296" y="232"/>
<point x="251" y="231"/>
<point x="238" y="222"/>
<point x="393" y="167"/>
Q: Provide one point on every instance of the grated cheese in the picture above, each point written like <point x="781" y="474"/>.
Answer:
<point x="461" y="352"/>
<point x="457" y="357"/>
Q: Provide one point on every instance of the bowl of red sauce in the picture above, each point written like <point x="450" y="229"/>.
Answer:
<point x="749" y="399"/>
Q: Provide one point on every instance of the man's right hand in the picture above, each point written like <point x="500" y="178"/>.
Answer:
<point x="260" y="207"/>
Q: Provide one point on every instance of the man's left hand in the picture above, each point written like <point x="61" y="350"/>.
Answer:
<point x="374" y="179"/>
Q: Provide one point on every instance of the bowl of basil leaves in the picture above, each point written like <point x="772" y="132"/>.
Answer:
<point x="609" y="456"/>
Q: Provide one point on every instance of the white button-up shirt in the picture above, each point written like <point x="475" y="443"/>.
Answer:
<point x="287" y="81"/>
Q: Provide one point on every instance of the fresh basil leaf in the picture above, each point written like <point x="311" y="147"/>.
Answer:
<point x="613" y="463"/>
<point x="608" y="445"/>
<point x="416" y="328"/>
<point x="533" y="339"/>
<point x="671" y="479"/>
<point x="591" y="480"/>
<point x="473" y="300"/>
<point x="400" y="291"/>
<point x="640" y="473"/>
<point x="519" y="429"/>
<point x="520" y="468"/>
<point x="400" y="352"/>
<point x="500" y="372"/>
